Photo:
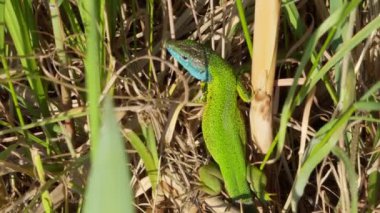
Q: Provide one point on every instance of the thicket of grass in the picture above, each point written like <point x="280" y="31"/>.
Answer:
<point x="60" y="60"/>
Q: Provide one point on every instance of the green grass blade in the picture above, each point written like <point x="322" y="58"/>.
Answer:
<point x="77" y="38"/>
<point x="333" y="21"/>
<point x="45" y="197"/>
<point x="373" y="188"/>
<point x="367" y="106"/>
<point x="92" y="16"/>
<point x="5" y="64"/>
<point x="108" y="188"/>
<point x="345" y="48"/>
<point x="321" y="145"/>
<point x="289" y="105"/>
<point x="244" y="25"/>
<point x="147" y="157"/>
<point x="2" y="28"/>
<point x="20" y="32"/>
<point x="319" y="148"/>
<point x="298" y="27"/>
<point x="151" y="143"/>
<point x="23" y="33"/>
<point x="113" y="9"/>
<point x="370" y="92"/>
<point x="74" y="113"/>
<point x="293" y="18"/>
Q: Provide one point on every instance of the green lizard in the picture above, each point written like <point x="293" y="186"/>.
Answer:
<point x="222" y="123"/>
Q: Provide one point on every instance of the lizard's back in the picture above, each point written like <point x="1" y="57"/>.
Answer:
<point x="223" y="127"/>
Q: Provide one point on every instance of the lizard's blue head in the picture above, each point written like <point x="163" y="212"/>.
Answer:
<point x="192" y="56"/>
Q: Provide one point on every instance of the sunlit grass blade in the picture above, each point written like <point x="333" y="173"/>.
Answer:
<point x="334" y="20"/>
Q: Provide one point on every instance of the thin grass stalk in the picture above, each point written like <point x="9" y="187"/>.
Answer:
<point x="91" y="13"/>
<point x="150" y="39"/>
<point x="113" y="10"/>
<point x="59" y="38"/>
<point x="244" y="25"/>
<point x="45" y="197"/>
<point x="77" y="38"/>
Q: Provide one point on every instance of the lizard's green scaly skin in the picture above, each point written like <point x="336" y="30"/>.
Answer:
<point x="222" y="125"/>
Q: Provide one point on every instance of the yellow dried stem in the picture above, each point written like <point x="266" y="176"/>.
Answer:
<point x="267" y="14"/>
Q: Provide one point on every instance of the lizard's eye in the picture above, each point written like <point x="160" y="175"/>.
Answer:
<point x="184" y="58"/>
